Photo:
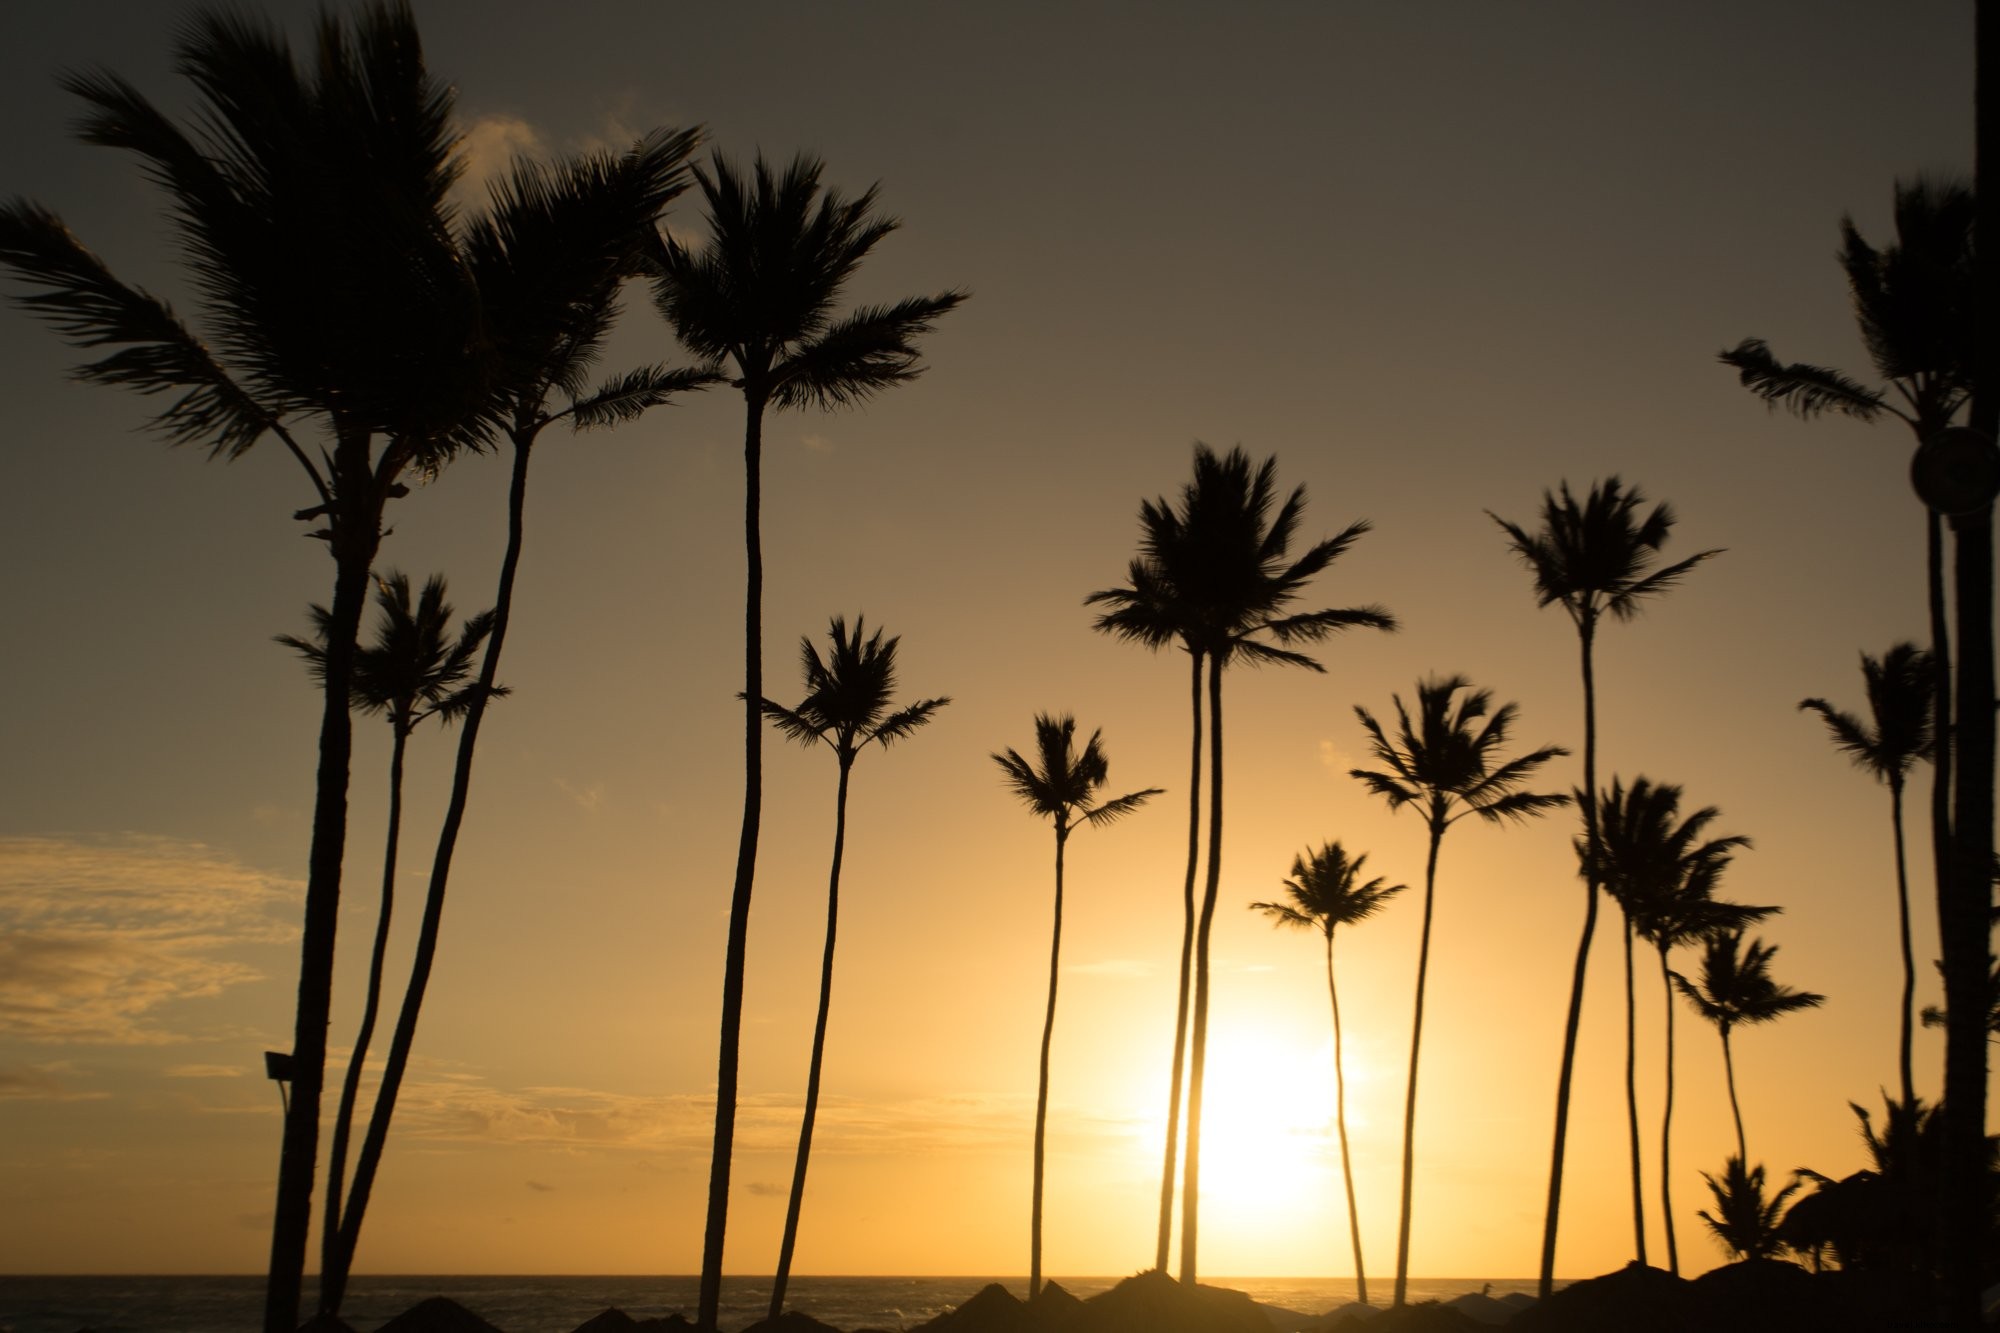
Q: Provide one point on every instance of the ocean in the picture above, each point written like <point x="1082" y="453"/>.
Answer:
<point x="559" y="1304"/>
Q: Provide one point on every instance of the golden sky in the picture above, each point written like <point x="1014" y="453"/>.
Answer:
<point x="1434" y="256"/>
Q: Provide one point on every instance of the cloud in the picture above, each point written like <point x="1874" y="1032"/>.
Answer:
<point x="1117" y="969"/>
<point x="490" y="144"/>
<point x="817" y="444"/>
<point x="96" y="934"/>
<point x="1335" y="758"/>
<point x="39" y="1083"/>
<point x="539" y="1188"/>
<point x="203" y="1071"/>
<point x="766" y="1189"/>
<point x="587" y="797"/>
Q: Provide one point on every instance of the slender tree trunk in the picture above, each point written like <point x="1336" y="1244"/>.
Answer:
<point x="784" y="1275"/>
<point x="1191" y="1177"/>
<point x="1416" y="1046"/>
<point x="1586" y="632"/>
<point x="1187" y="955"/>
<point x="1042" y="1084"/>
<point x="1735" y="1107"/>
<point x="1340" y="1123"/>
<point x="333" y="1284"/>
<point x="350" y="1090"/>
<point x="1632" y="1100"/>
<point x="736" y="960"/>
<point x="1909" y="954"/>
<point x="356" y="527"/>
<point x="1667" y="1130"/>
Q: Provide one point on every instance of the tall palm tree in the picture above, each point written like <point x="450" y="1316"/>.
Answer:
<point x="1594" y="558"/>
<point x="1061" y="785"/>
<point x="413" y="670"/>
<point x="375" y="340"/>
<point x="1446" y="765"/>
<point x="761" y="297"/>
<point x="1736" y="987"/>
<point x="1663" y="873"/>
<point x="548" y="257"/>
<point x="1327" y="892"/>
<point x="847" y="706"/>
<point x="1901" y="687"/>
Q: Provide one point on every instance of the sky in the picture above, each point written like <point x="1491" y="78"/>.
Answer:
<point x="1435" y="257"/>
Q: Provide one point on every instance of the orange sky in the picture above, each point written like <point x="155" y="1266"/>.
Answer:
<point x="1435" y="257"/>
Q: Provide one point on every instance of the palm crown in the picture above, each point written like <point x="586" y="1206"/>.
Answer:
<point x="1444" y="761"/>
<point x="1327" y="891"/>
<point x="1663" y="872"/>
<point x="1901" y="687"/>
<point x="1736" y="985"/>
<point x="1063" y="783"/>
<point x="848" y="694"/>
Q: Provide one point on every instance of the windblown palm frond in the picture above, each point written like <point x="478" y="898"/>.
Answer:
<point x="1900" y="686"/>
<point x="1595" y="557"/>
<point x="1326" y="891"/>
<point x="1444" y="759"/>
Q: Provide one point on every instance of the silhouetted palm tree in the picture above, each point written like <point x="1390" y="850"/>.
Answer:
<point x="1447" y="765"/>
<point x="848" y="697"/>
<point x="1745" y="1222"/>
<point x="761" y="297"/>
<point x="1594" y="558"/>
<point x="1900" y="690"/>
<point x="310" y="207"/>
<point x="1062" y="786"/>
<point x="412" y="671"/>
<point x="1663" y="874"/>
<point x="1736" y="987"/>
<point x="1327" y="892"/>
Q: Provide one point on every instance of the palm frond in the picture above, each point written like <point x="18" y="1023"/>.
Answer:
<point x="898" y="726"/>
<point x="869" y="350"/>
<point x="1804" y="390"/>
<point x="624" y="397"/>
<point x="1113" y="811"/>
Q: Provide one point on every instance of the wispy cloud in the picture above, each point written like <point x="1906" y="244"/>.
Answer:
<point x="97" y="933"/>
<point x="818" y="444"/>
<point x="1118" y="969"/>
<point x="490" y="144"/>
<point x="202" y="1071"/>
<point x="42" y="1083"/>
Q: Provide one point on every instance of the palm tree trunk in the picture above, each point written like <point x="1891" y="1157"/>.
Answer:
<point x="1735" y="1107"/>
<point x="1667" y="1131"/>
<point x="735" y="961"/>
<point x="356" y="535"/>
<point x="1340" y="1123"/>
<point x="1187" y="955"/>
<point x="1585" y="634"/>
<point x="783" y="1277"/>
<point x="350" y="1090"/>
<point x="1632" y="1101"/>
<point x="333" y="1282"/>
<point x="1909" y="954"/>
<point x="1191" y="1176"/>
<point x="1042" y="1084"/>
<point x="1416" y="1047"/>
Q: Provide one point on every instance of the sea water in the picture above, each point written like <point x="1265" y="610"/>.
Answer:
<point x="559" y="1304"/>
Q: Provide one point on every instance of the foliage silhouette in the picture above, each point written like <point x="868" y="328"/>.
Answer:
<point x="1595" y="558"/>
<point x="1736" y="987"/>
<point x="1744" y="1222"/>
<point x="1446" y="765"/>
<point x="1326" y="892"/>
<point x="846" y="708"/>
<point x="1061" y="785"/>
<point x="759" y="298"/>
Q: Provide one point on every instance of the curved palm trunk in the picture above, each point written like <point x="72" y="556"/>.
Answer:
<point x="1667" y="1130"/>
<point x="1042" y="1085"/>
<point x="1187" y="955"/>
<point x="1909" y="954"/>
<point x="1340" y="1123"/>
<point x="333" y="1282"/>
<point x="735" y="961"/>
<point x="1585" y="633"/>
<point x="1735" y="1107"/>
<point x="1416" y="1046"/>
<point x="350" y="1089"/>
<point x="1191" y="1177"/>
<point x="784" y="1274"/>
<point x="1632" y="1102"/>
<point x="355" y="539"/>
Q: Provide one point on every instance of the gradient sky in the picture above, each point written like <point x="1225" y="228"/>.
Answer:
<point x="1435" y="256"/>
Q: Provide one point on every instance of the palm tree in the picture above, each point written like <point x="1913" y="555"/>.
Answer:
<point x="846" y="707"/>
<point x="760" y="297"/>
<point x="549" y="258"/>
<point x="1900" y="690"/>
<point x="1663" y="874"/>
<point x="347" y="161"/>
<point x="1595" y="559"/>
<point x="412" y="671"/>
<point x="1446" y="765"/>
<point x="1062" y="786"/>
<point x="1736" y="987"/>
<point x="1327" y="892"/>
<point x="1213" y="573"/>
<point x="1744" y="1221"/>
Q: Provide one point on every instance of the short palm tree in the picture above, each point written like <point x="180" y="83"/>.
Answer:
<point x="1595" y="558"/>
<point x="1744" y="1221"/>
<point x="1735" y="988"/>
<point x="1446" y="764"/>
<point x="1901" y="687"/>
<point x="847" y="707"/>
<point x="1061" y="785"/>
<point x="1326" y="892"/>
<point x="761" y="298"/>
<point x="1663" y="873"/>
